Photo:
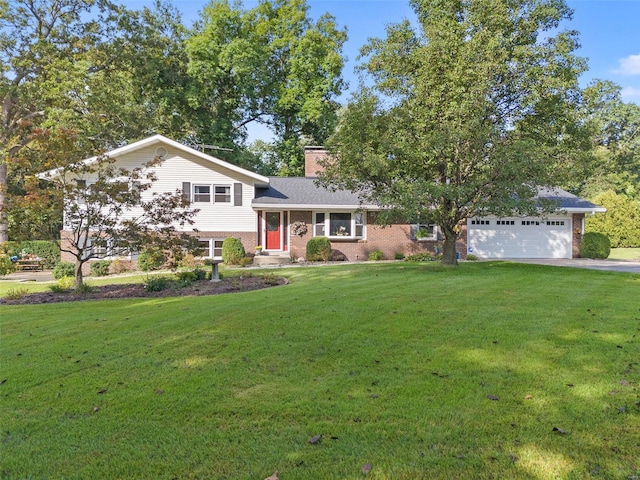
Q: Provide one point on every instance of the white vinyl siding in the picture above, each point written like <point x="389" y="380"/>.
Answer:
<point x="520" y="237"/>
<point x="233" y="210"/>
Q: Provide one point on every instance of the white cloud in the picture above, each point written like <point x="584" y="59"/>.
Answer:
<point x="629" y="65"/>
<point x="630" y="93"/>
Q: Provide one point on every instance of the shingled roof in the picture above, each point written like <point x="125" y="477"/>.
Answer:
<point x="304" y="193"/>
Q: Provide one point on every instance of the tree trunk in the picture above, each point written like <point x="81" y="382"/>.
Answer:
<point x="4" y="217"/>
<point x="78" y="274"/>
<point x="449" y="247"/>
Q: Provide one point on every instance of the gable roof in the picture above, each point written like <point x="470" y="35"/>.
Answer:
<point x="304" y="193"/>
<point x="259" y="180"/>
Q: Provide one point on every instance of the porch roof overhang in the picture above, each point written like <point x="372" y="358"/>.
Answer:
<point x="311" y="206"/>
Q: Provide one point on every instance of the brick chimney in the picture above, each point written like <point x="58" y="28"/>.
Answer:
<point x="311" y="157"/>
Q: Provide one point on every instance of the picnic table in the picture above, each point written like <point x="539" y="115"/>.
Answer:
<point x="30" y="264"/>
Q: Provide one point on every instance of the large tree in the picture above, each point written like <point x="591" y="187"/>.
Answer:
<point x="109" y="74"/>
<point x="467" y="114"/>
<point x="271" y="64"/>
<point x="616" y="141"/>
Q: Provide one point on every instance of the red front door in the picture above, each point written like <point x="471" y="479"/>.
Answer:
<point x="273" y="231"/>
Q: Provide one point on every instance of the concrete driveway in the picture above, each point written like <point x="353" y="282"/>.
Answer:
<point x="610" y="265"/>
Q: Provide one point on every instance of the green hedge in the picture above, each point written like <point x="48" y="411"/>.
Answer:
<point x="595" y="245"/>
<point x="621" y="222"/>
<point x="318" y="249"/>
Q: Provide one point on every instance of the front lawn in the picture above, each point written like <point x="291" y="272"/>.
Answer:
<point x="491" y="370"/>
<point x="625" y="254"/>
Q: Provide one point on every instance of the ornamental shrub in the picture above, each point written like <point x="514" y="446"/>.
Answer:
<point x="595" y="245"/>
<point x="375" y="256"/>
<point x="6" y="265"/>
<point x="318" y="249"/>
<point x="64" y="269"/>
<point x="156" y="283"/>
<point x="420" y="257"/>
<point x="99" y="268"/>
<point x="151" y="258"/>
<point x="232" y="251"/>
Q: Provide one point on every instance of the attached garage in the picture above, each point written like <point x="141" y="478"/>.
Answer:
<point x="520" y="237"/>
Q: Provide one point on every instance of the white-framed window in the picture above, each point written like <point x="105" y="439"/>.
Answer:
<point x="339" y="225"/>
<point x="222" y="194"/>
<point x="109" y="249"/>
<point x="202" y="193"/>
<point x="211" y="247"/>
<point x="207" y="193"/>
<point x="424" y="232"/>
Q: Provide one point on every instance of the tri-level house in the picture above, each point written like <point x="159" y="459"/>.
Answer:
<point x="281" y="214"/>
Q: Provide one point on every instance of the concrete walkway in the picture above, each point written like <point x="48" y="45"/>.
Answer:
<point x="610" y="265"/>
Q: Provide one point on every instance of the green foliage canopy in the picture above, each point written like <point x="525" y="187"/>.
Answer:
<point x="467" y="114"/>
<point x="621" y="222"/>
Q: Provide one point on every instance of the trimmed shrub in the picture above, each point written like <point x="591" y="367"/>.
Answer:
<point x="64" y="269"/>
<point x="420" y="257"/>
<point x="151" y="258"/>
<point x="99" y="268"/>
<point x="156" y="283"/>
<point x="185" y="278"/>
<point x="200" y="274"/>
<point x="595" y="245"/>
<point x="232" y="251"/>
<point x="398" y="256"/>
<point x="375" y="256"/>
<point x="471" y="257"/>
<point x="318" y="249"/>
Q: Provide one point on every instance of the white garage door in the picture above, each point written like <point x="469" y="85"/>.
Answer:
<point x="517" y="237"/>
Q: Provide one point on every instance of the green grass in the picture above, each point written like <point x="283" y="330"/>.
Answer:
<point x="393" y="364"/>
<point x="625" y="254"/>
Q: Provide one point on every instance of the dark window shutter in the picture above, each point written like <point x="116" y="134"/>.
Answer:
<point x="186" y="191"/>
<point x="414" y="231"/>
<point x="237" y="194"/>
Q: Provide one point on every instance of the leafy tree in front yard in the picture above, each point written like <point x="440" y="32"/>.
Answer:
<point x="467" y="114"/>
<point x="108" y="211"/>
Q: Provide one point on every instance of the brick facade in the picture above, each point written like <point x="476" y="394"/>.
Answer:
<point x="576" y="240"/>
<point x="312" y="155"/>
<point x="390" y="240"/>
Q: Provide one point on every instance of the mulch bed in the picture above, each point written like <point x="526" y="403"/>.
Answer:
<point x="137" y="290"/>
